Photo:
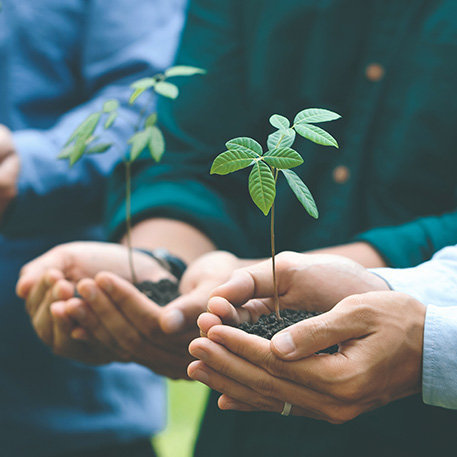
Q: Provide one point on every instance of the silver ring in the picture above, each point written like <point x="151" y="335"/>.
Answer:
<point x="287" y="409"/>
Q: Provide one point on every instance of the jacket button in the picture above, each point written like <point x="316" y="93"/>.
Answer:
<point x="341" y="174"/>
<point x="374" y="72"/>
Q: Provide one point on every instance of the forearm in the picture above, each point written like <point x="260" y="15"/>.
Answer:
<point x="181" y="239"/>
<point x="360" y="252"/>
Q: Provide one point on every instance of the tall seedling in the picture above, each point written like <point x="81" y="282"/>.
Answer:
<point x="246" y="152"/>
<point x="84" y="141"/>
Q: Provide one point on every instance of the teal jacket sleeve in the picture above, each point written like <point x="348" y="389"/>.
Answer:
<point x="412" y="243"/>
<point x="180" y="187"/>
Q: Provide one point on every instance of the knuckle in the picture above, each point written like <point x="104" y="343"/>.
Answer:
<point x="131" y="342"/>
<point x="264" y="386"/>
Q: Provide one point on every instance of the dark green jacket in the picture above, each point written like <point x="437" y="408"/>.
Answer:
<point x="398" y="143"/>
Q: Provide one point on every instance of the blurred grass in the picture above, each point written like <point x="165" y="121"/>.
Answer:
<point x="186" y="404"/>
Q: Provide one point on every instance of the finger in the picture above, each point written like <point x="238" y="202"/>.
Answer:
<point x="139" y="310"/>
<point x="207" y="320"/>
<point x="42" y="320"/>
<point x="345" y="321"/>
<point x="226" y="402"/>
<point x="183" y="312"/>
<point x="32" y="272"/>
<point x="255" y="376"/>
<point x="255" y="281"/>
<point x="227" y="313"/>
<point x="199" y="371"/>
<point x="316" y="372"/>
<point x="88" y="322"/>
<point x="121" y="332"/>
<point x="40" y="289"/>
<point x="6" y="142"/>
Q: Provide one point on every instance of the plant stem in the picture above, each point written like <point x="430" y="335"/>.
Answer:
<point x="273" y="256"/>
<point x="128" y="216"/>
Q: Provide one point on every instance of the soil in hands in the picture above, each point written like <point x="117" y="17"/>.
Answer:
<point x="161" y="292"/>
<point x="268" y="324"/>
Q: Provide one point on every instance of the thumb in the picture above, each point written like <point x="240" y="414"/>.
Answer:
<point x="312" y="335"/>
<point x="255" y="281"/>
<point x="182" y="313"/>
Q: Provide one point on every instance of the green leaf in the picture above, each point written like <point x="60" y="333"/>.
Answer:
<point x="283" y="158"/>
<point x="110" y="106"/>
<point x="110" y="121"/>
<point x="232" y="160"/>
<point x="287" y="138"/>
<point x="280" y="122"/>
<point x="262" y="186"/>
<point x="65" y="153"/>
<point x="99" y="148"/>
<point x="302" y="193"/>
<point x="156" y="143"/>
<point x="315" y="115"/>
<point x="167" y="89"/>
<point x="139" y="141"/>
<point x="144" y="83"/>
<point x="140" y="86"/>
<point x="316" y="135"/>
<point x="183" y="70"/>
<point x="246" y="145"/>
<point x="78" y="150"/>
<point x="86" y="128"/>
<point x="151" y="120"/>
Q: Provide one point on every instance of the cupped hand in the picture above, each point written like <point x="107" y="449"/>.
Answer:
<point x="380" y="337"/>
<point x="126" y="322"/>
<point x="52" y="278"/>
<point x="312" y="282"/>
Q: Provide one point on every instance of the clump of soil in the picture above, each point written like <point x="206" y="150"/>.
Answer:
<point x="161" y="292"/>
<point x="268" y="324"/>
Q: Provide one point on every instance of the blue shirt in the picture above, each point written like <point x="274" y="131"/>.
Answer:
<point x="434" y="283"/>
<point x="59" y="61"/>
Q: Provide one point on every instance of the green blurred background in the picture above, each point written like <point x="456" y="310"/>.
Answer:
<point x="186" y="403"/>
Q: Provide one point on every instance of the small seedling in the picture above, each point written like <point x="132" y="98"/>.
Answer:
<point x="83" y="140"/>
<point x="246" y="152"/>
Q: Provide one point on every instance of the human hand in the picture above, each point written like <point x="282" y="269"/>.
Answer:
<point x="127" y="323"/>
<point x="9" y="169"/>
<point x="52" y="278"/>
<point x="311" y="282"/>
<point x="380" y="337"/>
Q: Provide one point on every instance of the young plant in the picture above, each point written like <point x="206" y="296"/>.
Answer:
<point x="84" y="141"/>
<point x="246" y="152"/>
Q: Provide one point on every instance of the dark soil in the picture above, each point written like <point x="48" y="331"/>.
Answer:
<point x="268" y="325"/>
<point x="162" y="292"/>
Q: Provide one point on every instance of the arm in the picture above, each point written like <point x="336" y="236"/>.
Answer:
<point x="412" y="243"/>
<point x="120" y="45"/>
<point x="180" y="188"/>
<point x="434" y="283"/>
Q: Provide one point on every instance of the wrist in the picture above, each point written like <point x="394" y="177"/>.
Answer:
<point x="171" y="263"/>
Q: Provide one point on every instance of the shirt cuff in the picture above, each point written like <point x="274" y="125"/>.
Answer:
<point x="439" y="382"/>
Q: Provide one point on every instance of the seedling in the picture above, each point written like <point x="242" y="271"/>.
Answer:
<point x="246" y="152"/>
<point x="148" y="135"/>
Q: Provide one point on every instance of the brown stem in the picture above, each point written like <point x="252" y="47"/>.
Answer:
<point x="273" y="256"/>
<point x="128" y="218"/>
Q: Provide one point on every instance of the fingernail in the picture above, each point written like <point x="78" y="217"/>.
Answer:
<point x="284" y="343"/>
<point x="200" y="375"/>
<point x="175" y="320"/>
<point x="106" y="284"/>
<point x="88" y="292"/>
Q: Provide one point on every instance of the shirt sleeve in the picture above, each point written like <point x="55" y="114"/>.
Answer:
<point x="439" y="380"/>
<point x="412" y="243"/>
<point x="434" y="282"/>
<point x="145" y="42"/>
<point x="180" y="187"/>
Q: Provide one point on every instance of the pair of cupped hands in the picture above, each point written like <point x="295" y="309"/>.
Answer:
<point x="379" y="333"/>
